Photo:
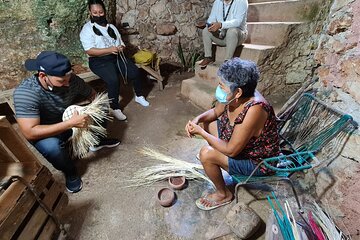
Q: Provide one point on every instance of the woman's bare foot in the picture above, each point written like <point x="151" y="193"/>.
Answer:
<point x="216" y="198"/>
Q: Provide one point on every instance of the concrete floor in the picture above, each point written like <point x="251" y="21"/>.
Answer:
<point x="106" y="209"/>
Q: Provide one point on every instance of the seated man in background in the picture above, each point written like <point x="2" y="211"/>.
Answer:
<point x="226" y="26"/>
<point x="40" y="101"/>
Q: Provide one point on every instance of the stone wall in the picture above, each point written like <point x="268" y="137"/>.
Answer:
<point x="161" y="24"/>
<point x="338" y="57"/>
<point x="30" y="26"/>
<point x="286" y="68"/>
<point x="338" y="52"/>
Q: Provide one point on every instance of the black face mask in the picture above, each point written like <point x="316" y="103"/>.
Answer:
<point x="56" y="89"/>
<point x="60" y="89"/>
<point x="101" y="20"/>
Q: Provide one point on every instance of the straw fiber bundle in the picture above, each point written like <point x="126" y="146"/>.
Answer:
<point x="83" y="138"/>
<point x="172" y="168"/>
<point x="324" y="222"/>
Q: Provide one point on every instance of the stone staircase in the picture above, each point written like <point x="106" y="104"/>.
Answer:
<point x="268" y="24"/>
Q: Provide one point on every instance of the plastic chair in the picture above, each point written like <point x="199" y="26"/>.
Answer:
<point x="305" y="129"/>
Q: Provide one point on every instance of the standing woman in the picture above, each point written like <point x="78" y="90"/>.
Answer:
<point x="103" y="44"/>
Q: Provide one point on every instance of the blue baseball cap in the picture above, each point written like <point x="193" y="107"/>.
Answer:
<point x="51" y="63"/>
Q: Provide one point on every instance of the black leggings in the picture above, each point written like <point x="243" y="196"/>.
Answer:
<point x="106" y="67"/>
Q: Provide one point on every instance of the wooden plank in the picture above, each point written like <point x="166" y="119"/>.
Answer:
<point x="9" y="197"/>
<point x="6" y="110"/>
<point x="26" y="170"/>
<point x="151" y="71"/>
<point x="50" y="228"/>
<point x="21" y="208"/>
<point x="14" y="142"/>
<point x="37" y="220"/>
<point x="155" y="74"/>
<point x="88" y="76"/>
<point x="7" y="96"/>
<point x="8" y="152"/>
<point x="4" y="154"/>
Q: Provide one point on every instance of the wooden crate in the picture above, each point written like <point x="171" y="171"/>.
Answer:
<point x="21" y="215"/>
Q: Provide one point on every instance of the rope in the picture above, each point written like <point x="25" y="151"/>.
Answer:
<point x="123" y="59"/>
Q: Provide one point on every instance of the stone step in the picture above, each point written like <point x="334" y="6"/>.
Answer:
<point x="283" y="11"/>
<point x="253" y="52"/>
<point x="202" y="94"/>
<point x="199" y="92"/>
<point x="209" y="74"/>
<point x="248" y="51"/>
<point x="268" y="33"/>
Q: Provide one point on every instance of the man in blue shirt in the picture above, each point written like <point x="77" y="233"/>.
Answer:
<point x="226" y="26"/>
<point x="40" y="101"/>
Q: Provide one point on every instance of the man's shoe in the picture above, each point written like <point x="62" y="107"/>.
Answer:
<point x="106" y="142"/>
<point x="142" y="101"/>
<point x="73" y="184"/>
<point x="206" y="61"/>
<point x="117" y="113"/>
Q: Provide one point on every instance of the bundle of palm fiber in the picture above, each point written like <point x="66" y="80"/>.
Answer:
<point x="83" y="138"/>
<point x="322" y="224"/>
<point x="172" y="168"/>
<point x="318" y="224"/>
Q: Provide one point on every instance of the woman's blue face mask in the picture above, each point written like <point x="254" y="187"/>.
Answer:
<point x="221" y="96"/>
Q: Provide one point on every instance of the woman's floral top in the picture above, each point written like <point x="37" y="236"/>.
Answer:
<point x="264" y="146"/>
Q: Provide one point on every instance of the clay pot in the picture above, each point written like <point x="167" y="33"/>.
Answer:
<point x="177" y="183"/>
<point x="166" y="197"/>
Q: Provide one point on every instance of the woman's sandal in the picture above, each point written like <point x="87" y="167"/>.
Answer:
<point x="214" y="204"/>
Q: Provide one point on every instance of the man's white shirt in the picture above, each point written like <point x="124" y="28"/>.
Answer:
<point x="236" y="18"/>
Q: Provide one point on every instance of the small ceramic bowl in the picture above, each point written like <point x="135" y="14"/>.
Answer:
<point x="177" y="183"/>
<point x="166" y="197"/>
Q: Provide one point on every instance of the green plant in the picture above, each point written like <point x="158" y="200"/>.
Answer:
<point x="188" y="62"/>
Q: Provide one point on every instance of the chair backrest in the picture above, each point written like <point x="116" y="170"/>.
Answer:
<point x="311" y="124"/>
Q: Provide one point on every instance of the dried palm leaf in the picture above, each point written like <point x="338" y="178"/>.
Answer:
<point x="173" y="167"/>
<point x="326" y="224"/>
<point x="83" y="138"/>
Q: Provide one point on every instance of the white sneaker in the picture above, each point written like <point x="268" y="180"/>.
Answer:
<point x="117" y="113"/>
<point x="142" y="101"/>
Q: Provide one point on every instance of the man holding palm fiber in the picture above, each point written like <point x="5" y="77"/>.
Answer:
<point x="40" y="101"/>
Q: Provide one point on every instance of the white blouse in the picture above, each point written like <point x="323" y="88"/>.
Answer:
<point x="90" y="40"/>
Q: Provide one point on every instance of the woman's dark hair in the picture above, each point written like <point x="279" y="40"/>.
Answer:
<point x="240" y="73"/>
<point x="94" y="2"/>
<point x="97" y="31"/>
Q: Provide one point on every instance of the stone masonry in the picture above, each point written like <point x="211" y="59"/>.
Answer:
<point x="338" y="57"/>
<point x="161" y="24"/>
<point x="31" y="26"/>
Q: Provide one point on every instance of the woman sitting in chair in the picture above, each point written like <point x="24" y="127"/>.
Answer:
<point x="103" y="44"/>
<point x="240" y="130"/>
